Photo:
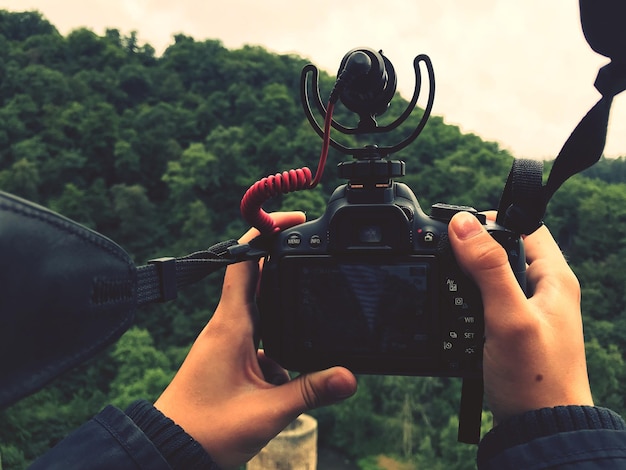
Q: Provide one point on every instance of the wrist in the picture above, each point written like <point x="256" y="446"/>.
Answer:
<point x="177" y="447"/>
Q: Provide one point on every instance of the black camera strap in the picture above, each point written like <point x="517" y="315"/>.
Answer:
<point x="161" y="278"/>
<point x="525" y="199"/>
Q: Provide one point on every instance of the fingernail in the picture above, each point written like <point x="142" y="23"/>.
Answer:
<point x="340" y="387"/>
<point x="466" y="225"/>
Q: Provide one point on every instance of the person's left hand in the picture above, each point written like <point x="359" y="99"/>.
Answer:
<point x="230" y="397"/>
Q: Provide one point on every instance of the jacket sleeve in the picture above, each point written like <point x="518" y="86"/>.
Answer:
<point x="572" y="437"/>
<point x="141" y="438"/>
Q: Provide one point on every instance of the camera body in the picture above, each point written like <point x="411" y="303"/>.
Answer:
<point x="373" y="285"/>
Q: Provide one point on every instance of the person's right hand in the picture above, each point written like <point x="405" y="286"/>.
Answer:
<point x="534" y="353"/>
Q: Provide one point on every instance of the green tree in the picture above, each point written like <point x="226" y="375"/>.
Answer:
<point x="194" y="174"/>
<point x="12" y="457"/>
<point x="74" y="204"/>
<point x="197" y="230"/>
<point x="606" y="374"/>
<point x="135" y="81"/>
<point x="312" y="203"/>
<point x="142" y="370"/>
<point x="19" y="26"/>
<point x="138" y="228"/>
<point x="89" y="51"/>
<point x="277" y="108"/>
<point x="22" y="179"/>
<point x="456" y="456"/>
<point x="18" y="118"/>
<point x="606" y="209"/>
<point x="42" y="84"/>
<point x="127" y="162"/>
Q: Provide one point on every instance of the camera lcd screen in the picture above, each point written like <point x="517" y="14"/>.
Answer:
<point x="363" y="308"/>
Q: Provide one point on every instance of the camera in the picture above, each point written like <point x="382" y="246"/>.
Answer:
<point x="372" y="284"/>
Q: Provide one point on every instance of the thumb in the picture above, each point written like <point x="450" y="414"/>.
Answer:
<point x="486" y="262"/>
<point x="315" y="389"/>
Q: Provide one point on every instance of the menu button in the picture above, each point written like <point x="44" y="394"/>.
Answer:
<point x="294" y="240"/>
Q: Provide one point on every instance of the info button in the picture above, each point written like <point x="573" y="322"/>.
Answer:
<point x="315" y="241"/>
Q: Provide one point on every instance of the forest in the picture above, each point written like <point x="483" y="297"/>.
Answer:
<point x="156" y="152"/>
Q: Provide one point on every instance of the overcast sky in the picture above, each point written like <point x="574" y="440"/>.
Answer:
<point x="516" y="72"/>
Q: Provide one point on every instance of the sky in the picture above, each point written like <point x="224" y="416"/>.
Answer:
<point x="516" y="72"/>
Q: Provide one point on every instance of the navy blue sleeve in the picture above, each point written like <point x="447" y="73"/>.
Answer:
<point x="572" y="437"/>
<point x="180" y="450"/>
<point x="109" y="440"/>
<point x="142" y="438"/>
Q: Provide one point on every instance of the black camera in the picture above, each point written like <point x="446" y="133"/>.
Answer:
<point x="372" y="284"/>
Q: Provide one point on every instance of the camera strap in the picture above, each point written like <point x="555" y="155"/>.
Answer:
<point x="525" y="199"/>
<point x="161" y="278"/>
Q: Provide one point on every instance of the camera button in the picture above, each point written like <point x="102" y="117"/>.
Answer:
<point x="445" y="212"/>
<point x="293" y="240"/>
<point x="468" y="320"/>
<point x="428" y="237"/>
<point x="315" y="241"/>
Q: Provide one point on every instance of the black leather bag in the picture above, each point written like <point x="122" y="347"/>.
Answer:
<point x="65" y="293"/>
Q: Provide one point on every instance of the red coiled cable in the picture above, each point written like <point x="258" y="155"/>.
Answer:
<point x="261" y="191"/>
<point x="282" y="183"/>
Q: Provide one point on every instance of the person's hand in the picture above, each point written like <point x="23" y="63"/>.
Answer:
<point x="534" y="353"/>
<point x="232" y="399"/>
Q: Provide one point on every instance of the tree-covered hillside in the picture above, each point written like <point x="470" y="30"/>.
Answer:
<point x="156" y="152"/>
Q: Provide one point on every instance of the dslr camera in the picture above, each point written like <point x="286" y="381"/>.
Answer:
<point x="372" y="284"/>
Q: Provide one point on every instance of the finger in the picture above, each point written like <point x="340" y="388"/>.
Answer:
<point x="269" y="410"/>
<point x="478" y="253"/>
<point x="487" y="264"/>
<point x="236" y="311"/>
<point x="541" y="245"/>
<point x="545" y="259"/>
<point x="491" y="215"/>
<point x="548" y="274"/>
<point x="239" y="285"/>
<point x="240" y="279"/>
<point x="282" y="219"/>
<point x="315" y="389"/>
<point x="272" y="371"/>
